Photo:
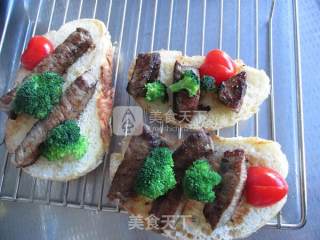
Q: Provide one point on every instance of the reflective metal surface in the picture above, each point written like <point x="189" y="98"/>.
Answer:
<point x="242" y="28"/>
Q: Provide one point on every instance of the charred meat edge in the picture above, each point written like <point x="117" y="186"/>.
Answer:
<point x="228" y="193"/>
<point x="122" y="186"/>
<point x="64" y="55"/>
<point x="184" y="105"/>
<point x="232" y="91"/>
<point x="71" y="105"/>
<point x="146" y="70"/>
<point x="198" y="145"/>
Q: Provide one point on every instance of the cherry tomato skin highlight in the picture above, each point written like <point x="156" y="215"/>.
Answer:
<point x="219" y="65"/>
<point x="264" y="187"/>
<point x="38" y="48"/>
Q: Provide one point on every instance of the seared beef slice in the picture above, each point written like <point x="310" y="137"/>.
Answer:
<point x="234" y="173"/>
<point x="122" y="186"/>
<point x="232" y="91"/>
<point x="146" y="70"/>
<point x="183" y="105"/>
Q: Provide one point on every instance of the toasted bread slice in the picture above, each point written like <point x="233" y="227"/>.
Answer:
<point x="246" y="220"/>
<point x="220" y="116"/>
<point x="93" y="122"/>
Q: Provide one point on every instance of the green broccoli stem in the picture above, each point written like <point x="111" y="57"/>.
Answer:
<point x="189" y="82"/>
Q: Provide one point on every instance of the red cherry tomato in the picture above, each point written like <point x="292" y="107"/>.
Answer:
<point x="219" y="65"/>
<point x="38" y="48"/>
<point x="264" y="186"/>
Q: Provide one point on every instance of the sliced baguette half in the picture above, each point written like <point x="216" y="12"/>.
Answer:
<point x="220" y="116"/>
<point x="247" y="219"/>
<point x="93" y="122"/>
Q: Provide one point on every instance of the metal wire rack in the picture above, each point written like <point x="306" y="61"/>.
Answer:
<point x="166" y="24"/>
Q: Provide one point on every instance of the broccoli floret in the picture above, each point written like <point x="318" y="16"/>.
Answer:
<point x="156" y="177"/>
<point x="208" y="84"/>
<point x="189" y="82"/>
<point x="156" y="91"/>
<point x="64" y="141"/>
<point x="38" y="94"/>
<point x="199" y="181"/>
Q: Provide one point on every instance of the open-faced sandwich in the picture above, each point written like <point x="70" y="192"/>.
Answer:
<point x="207" y="187"/>
<point x="61" y="102"/>
<point x="210" y="92"/>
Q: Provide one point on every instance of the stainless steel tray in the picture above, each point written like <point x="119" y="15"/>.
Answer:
<point x="264" y="34"/>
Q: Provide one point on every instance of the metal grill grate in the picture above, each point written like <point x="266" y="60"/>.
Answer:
<point x="129" y="23"/>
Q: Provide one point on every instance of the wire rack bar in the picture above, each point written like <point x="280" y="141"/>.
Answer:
<point x="100" y="206"/>
<point x="220" y="38"/>
<point x="3" y="171"/>
<point x="302" y="158"/>
<point x="236" y="130"/>
<point x="256" y="116"/>
<point x="273" y="127"/>
<point x="204" y="14"/>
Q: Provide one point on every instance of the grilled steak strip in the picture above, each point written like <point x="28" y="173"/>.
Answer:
<point x="122" y="186"/>
<point x="146" y="70"/>
<point x="234" y="173"/>
<point x="183" y="105"/>
<point x="64" y="55"/>
<point x="72" y="104"/>
<point x="196" y="146"/>
<point x="232" y="91"/>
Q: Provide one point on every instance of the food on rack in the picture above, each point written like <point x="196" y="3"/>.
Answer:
<point x="156" y="91"/>
<point x="218" y="189"/>
<point x="72" y="104"/>
<point x="38" y="48"/>
<point x="140" y="146"/>
<point x="264" y="186"/>
<point x="186" y="90"/>
<point x="199" y="180"/>
<point x="210" y="92"/>
<point x="64" y="55"/>
<point x="234" y="173"/>
<point x="219" y="65"/>
<point x="60" y="106"/>
<point x="64" y="140"/>
<point x="38" y="95"/>
<point x="156" y="177"/>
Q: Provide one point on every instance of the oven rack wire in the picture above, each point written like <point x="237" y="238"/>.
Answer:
<point x="100" y="204"/>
